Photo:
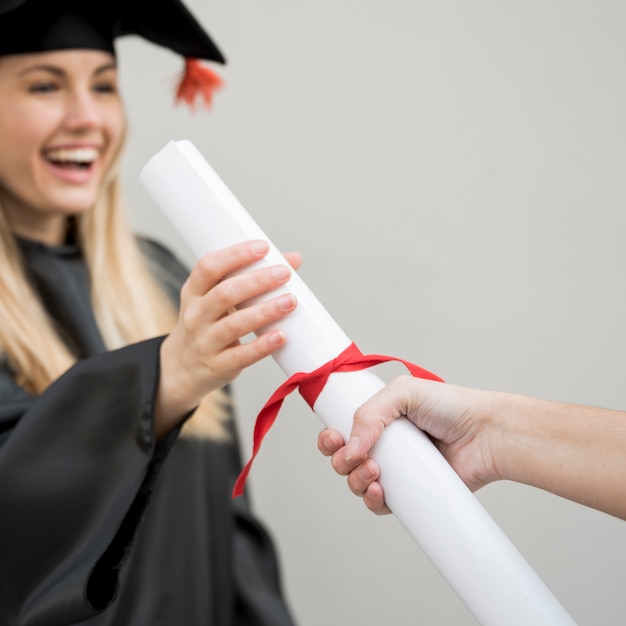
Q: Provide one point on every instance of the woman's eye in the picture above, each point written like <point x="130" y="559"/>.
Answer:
<point x="43" y="88"/>
<point x="105" y="88"/>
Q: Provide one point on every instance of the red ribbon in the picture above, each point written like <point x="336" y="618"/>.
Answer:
<point x="311" y="385"/>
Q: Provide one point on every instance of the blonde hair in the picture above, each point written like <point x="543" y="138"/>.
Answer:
<point x="129" y="306"/>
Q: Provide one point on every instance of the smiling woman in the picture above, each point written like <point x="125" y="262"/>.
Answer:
<point x="61" y="133"/>
<point x="116" y="426"/>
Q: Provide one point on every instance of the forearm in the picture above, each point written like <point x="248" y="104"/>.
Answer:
<point x="576" y="452"/>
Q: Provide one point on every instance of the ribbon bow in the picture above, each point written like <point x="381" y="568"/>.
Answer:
<point x="311" y="385"/>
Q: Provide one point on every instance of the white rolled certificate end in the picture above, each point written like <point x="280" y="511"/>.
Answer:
<point x="468" y="548"/>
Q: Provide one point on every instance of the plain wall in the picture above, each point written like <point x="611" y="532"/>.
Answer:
<point x="454" y="174"/>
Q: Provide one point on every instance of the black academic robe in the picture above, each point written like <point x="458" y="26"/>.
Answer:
<point x="100" y="526"/>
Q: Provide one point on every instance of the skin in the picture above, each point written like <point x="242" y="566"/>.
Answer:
<point x="56" y="100"/>
<point x="204" y="351"/>
<point x="58" y="103"/>
<point x="577" y="452"/>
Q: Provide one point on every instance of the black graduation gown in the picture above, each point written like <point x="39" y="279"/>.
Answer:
<point x="100" y="526"/>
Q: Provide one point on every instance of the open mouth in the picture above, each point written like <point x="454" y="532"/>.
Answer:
<point x="72" y="159"/>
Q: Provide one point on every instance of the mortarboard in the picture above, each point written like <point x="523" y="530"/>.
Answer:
<point x="28" y="26"/>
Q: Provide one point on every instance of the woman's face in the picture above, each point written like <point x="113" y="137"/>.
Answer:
<point x="62" y="124"/>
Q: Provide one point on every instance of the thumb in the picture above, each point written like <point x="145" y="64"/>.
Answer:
<point x="368" y="425"/>
<point x="371" y="418"/>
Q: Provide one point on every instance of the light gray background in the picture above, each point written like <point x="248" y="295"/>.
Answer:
<point x="454" y="174"/>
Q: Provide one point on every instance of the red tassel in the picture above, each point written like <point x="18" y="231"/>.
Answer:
<point x="197" y="81"/>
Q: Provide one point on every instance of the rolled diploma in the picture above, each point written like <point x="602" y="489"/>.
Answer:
<point x="450" y="525"/>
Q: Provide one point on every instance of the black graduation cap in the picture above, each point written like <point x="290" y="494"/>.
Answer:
<point x="50" y="25"/>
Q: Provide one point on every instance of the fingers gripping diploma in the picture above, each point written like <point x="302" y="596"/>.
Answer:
<point x="351" y="459"/>
<point x="204" y="352"/>
<point x="448" y="414"/>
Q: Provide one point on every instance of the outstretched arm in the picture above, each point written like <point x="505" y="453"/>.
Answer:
<point x="576" y="452"/>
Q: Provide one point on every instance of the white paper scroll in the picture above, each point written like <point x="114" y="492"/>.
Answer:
<point x="446" y="520"/>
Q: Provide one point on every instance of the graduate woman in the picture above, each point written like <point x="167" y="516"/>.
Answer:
<point x="117" y="444"/>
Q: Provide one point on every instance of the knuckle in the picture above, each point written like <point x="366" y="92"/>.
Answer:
<point x="260" y="280"/>
<point x="402" y="381"/>
<point x="325" y="444"/>
<point x="206" y="268"/>
<point x="267" y="313"/>
<point x="224" y="294"/>
<point x="338" y="465"/>
<point x="246" y="355"/>
<point x="235" y="326"/>
<point x="355" y="485"/>
<point x="238" y="362"/>
<point x="266" y="279"/>
<point x="241" y="253"/>
<point x="189" y="316"/>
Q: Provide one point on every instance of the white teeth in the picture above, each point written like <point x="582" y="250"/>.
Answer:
<point x="75" y="155"/>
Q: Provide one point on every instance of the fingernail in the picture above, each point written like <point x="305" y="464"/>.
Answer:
<point x="365" y="472"/>
<point x="352" y="447"/>
<point x="276" y="337"/>
<point x="259" y="247"/>
<point x="280" y="272"/>
<point x="335" y="441"/>
<point x="287" y="302"/>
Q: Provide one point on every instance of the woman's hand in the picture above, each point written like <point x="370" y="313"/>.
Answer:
<point x="203" y="352"/>
<point x="455" y="418"/>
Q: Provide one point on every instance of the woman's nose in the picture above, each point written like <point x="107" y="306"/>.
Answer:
<point x="82" y="111"/>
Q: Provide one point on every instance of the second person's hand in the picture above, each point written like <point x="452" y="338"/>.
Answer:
<point x="455" y="418"/>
